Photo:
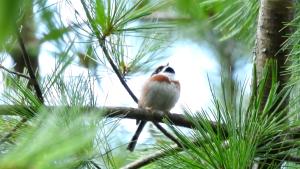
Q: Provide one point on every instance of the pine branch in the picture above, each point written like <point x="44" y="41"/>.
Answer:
<point x="15" y="73"/>
<point x="120" y="112"/>
<point x="154" y="116"/>
<point x="175" y="119"/>
<point x="141" y="114"/>
<point x="35" y="84"/>
<point x="101" y="41"/>
<point x="143" y="161"/>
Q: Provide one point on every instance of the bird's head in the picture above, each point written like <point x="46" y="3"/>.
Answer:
<point x="166" y="71"/>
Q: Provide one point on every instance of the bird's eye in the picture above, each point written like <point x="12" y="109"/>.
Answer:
<point x="170" y="70"/>
<point x="157" y="70"/>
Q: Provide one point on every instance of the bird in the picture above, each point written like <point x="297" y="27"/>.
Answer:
<point x="160" y="92"/>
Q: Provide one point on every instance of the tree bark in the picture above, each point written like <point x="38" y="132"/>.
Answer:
<point x="121" y="112"/>
<point x="271" y="34"/>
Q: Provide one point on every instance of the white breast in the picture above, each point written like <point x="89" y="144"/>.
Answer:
<point x="159" y="96"/>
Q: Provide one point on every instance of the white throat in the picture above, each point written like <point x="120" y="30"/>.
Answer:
<point x="171" y="76"/>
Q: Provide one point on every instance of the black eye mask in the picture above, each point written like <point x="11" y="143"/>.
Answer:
<point x="157" y="70"/>
<point x="170" y="70"/>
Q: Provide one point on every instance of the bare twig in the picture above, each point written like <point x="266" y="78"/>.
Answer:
<point x="15" y="73"/>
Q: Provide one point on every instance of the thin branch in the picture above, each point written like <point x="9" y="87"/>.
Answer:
<point x="165" y="132"/>
<point x="134" y="138"/>
<point x="101" y="41"/>
<point x="143" y="161"/>
<point x="94" y="164"/>
<point x="15" y="73"/>
<point x="102" y="44"/>
<point x="116" y="70"/>
<point x="30" y="70"/>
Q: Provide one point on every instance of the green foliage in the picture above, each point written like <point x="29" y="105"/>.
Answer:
<point x="237" y="19"/>
<point x="55" y="33"/>
<point x="230" y="18"/>
<point x="55" y="139"/>
<point x="58" y="137"/>
<point x="54" y="29"/>
<point x="292" y="45"/>
<point x="240" y="135"/>
<point x="293" y="70"/>
<point x="9" y="13"/>
<point x="148" y="53"/>
<point x="115" y="24"/>
<point x="113" y="17"/>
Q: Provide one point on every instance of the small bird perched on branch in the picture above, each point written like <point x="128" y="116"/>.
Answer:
<point x="160" y="92"/>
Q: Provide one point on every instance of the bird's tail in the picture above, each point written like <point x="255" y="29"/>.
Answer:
<point x="136" y="135"/>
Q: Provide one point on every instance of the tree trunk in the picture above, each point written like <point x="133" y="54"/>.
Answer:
<point x="273" y="15"/>
<point x="271" y="34"/>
